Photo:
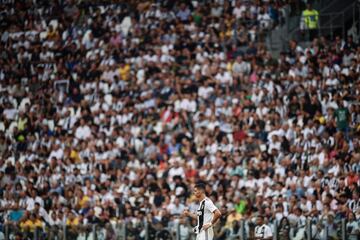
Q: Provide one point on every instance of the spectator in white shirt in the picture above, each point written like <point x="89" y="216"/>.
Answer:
<point x="176" y="208"/>
<point x="262" y="230"/>
<point x="83" y="131"/>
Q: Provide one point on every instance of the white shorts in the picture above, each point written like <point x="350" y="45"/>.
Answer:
<point x="206" y="235"/>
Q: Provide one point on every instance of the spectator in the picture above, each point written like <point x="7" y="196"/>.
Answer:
<point x="284" y="229"/>
<point x="342" y="116"/>
<point x="262" y="230"/>
<point x="352" y="226"/>
<point x="185" y="229"/>
<point x="30" y="223"/>
<point x="235" y="230"/>
<point x="176" y="208"/>
<point x="184" y="12"/>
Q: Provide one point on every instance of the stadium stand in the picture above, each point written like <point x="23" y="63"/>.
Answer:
<point x="110" y="111"/>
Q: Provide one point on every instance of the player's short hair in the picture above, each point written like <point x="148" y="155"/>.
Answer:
<point x="200" y="186"/>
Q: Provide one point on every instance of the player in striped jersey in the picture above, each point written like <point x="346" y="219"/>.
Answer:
<point x="207" y="214"/>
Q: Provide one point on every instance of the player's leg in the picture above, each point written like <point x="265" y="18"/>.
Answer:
<point x="210" y="234"/>
<point x="200" y="235"/>
<point x="206" y="235"/>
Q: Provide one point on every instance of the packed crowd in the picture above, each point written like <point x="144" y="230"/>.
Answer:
<point x="111" y="112"/>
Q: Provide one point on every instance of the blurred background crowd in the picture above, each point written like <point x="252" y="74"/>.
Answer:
<point x="110" y="111"/>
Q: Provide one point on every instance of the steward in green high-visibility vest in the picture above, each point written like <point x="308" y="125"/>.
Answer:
<point x="310" y="21"/>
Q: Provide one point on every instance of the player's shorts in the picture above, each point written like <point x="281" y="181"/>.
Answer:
<point x="206" y="234"/>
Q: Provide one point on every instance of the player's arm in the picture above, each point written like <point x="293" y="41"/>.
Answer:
<point x="260" y="238"/>
<point x="264" y="238"/>
<point x="216" y="217"/>
<point x="187" y="213"/>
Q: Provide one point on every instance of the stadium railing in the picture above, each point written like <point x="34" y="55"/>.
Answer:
<point x="322" y="229"/>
